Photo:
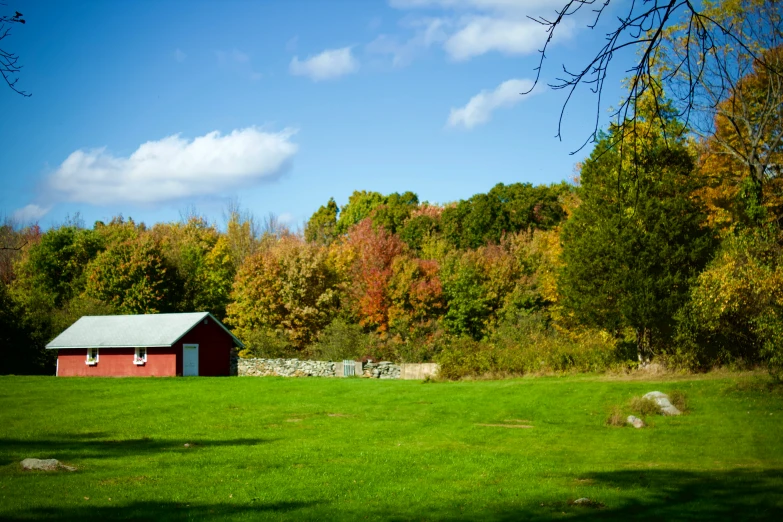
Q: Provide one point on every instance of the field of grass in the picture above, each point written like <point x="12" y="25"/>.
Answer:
<point x="356" y="449"/>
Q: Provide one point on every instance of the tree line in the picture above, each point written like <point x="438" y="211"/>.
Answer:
<point x="667" y="247"/>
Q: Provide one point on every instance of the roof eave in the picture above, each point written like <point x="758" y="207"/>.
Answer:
<point x="219" y="323"/>
<point x="158" y="345"/>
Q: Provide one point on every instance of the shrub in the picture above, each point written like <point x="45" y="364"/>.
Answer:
<point x="735" y="313"/>
<point x="644" y="407"/>
<point x="528" y="344"/>
<point x="416" y="343"/>
<point x="465" y="357"/>
<point x="267" y="344"/>
<point x="616" y="417"/>
<point x="341" y="340"/>
<point x="679" y="400"/>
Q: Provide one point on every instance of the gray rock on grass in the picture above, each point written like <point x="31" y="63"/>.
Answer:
<point x="45" y="465"/>
<point x="636" y="422"/>
<point x="663" y="402"/>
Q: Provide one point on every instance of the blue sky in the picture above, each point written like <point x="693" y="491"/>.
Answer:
<point x="150" y="108"/>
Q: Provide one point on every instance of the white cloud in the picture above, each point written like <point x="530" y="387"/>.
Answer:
<point x="428" y="32"/>
<point x="482" y="34"/>
<point x="477" y="27"/>
<point x="30" y="213"/>
<point x="481" y="5"/>
<point x="332" y="63"/>
<point x="480" y="107"/>
<point x="179" y="55"/>
<point x="174" y="168"/>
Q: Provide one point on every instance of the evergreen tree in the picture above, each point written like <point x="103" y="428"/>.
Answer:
<point x="634" y="246"/>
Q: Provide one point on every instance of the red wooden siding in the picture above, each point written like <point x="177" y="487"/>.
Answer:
<point x="214" y="349"/>
<point x="118" y="362"/>
<point x="214" y="357"/>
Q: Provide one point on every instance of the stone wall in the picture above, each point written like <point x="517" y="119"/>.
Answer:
<point x="285" y="368"/>
<point x="300" y="368"/>
<point x="381" y="370"/>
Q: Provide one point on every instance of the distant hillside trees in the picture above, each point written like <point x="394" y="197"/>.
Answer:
<point x="663" y="250"/>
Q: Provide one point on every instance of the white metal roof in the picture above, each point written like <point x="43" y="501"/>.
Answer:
<point x="123" y="331"/>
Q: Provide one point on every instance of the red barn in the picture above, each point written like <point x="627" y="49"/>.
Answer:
<point x="152" y="345"/>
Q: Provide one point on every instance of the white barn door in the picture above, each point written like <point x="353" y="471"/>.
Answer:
<point x="190" y="360"/>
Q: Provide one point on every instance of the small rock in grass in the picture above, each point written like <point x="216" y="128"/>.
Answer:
<point x="45" y="465"/>
<point x="663" y="402"/>
<point x="636" y="422"/>
<point x="586" y="502"/>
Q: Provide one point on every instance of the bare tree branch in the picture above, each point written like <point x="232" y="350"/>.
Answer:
<point x="9" y="62"/>
<point x="646" y="25"/>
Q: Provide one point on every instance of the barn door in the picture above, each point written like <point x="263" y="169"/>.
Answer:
<point x="189" y="360"/>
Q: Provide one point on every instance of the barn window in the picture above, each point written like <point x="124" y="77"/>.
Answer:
<point x="140" y="357"/>
<point x="92" y="356"/>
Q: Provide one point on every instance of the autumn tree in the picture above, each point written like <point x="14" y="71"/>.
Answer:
<point x="243" y="233"/>
<point x="736" y="102"/>
<point x="46" y="294"/>
<point x="288" y="289"/>
<point x="14" y="241"/>
<point x="477" y="285"/>
<point x="134" y="277"/>
<point x="415" y="294"/>
<point x="506" y="209"/>
<point x="389" y="212"/>
<point x="205" y="268"/>
<point x="422" y="224"/>
<point x="215" y="279"/>
<point x="54" y="266"/>
<point x="395" y="211"/>
<point x="372" y="251"/>
<point x="360" y="205"/>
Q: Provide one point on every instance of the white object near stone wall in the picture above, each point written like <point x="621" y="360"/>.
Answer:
<point x="663" y="402"/>
<point x="418" y="371"/>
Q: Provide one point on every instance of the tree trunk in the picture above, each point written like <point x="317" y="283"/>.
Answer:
<point x="643" y="336"/>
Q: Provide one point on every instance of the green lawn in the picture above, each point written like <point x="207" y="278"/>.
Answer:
<point x="307" y="449"/>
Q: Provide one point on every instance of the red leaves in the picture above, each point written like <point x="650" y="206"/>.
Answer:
<point x="375" y="250"/>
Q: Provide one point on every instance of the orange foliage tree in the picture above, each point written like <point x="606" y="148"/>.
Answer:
<point x="373" y="250"/>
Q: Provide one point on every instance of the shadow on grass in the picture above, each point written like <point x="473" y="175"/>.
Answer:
<point x="69" y="447"/>
<point x="168" y="511"/>
<point x="667" y="495"/>
<point x="622" y="495"/>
